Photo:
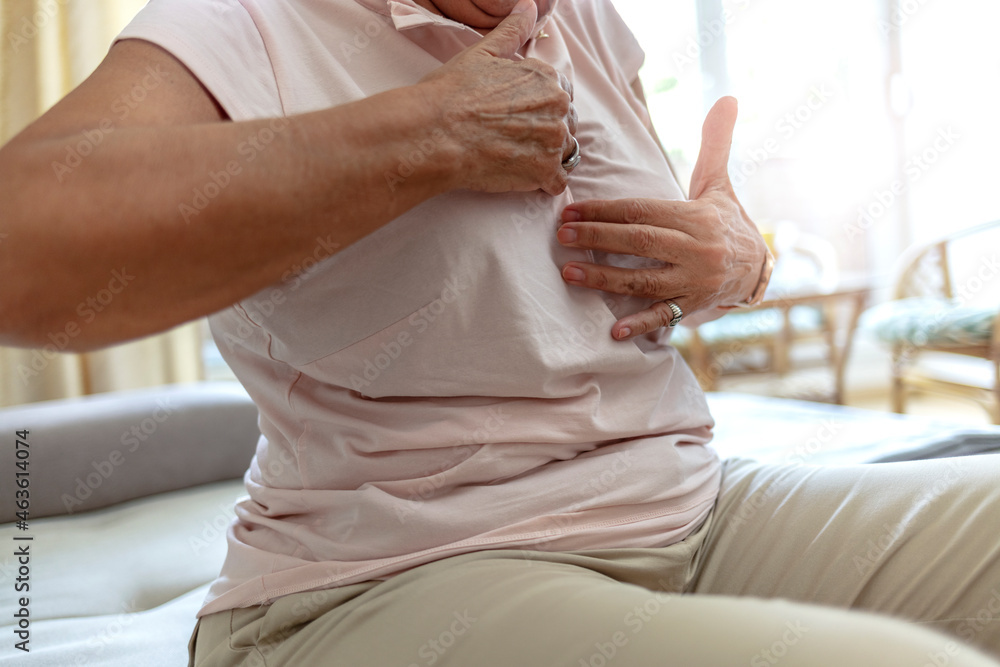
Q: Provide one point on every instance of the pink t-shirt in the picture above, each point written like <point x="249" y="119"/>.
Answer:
<point x="436" y="388"/>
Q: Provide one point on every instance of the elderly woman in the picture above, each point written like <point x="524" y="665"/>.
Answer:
<point x="444" y="252"/>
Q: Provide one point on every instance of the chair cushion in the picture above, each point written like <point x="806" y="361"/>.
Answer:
<point x="936" y="322"/>
<point x="751" y="325"/>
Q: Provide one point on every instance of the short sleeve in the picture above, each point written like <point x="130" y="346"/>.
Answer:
<point x="218" y="41"/>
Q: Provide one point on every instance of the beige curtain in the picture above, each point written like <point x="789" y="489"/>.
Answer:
<point x="50" y="46"/>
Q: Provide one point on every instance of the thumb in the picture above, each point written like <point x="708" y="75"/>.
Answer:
<point x="712" y="168"/>
<point x="511" y="34"/>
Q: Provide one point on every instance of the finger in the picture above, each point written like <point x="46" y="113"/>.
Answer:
<point x="667" y="245"/>
<point x="645" y="283"/>
<point x="656" y="316"/>
<point x="684" y="216"/>
<point x="572" y="120"/>
<point x="556" y="185"/>
<point x="566" y="84"/>
<point x="511" y="34"/>
<point x="712" y="168"/>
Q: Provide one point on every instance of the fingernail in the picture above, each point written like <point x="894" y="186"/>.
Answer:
<point x="571" y="215"/>
<point x="566" y="235"/>
<point x="574" y="274"/>
<point x="624" y="332"/>
<point x="522" y="7"/>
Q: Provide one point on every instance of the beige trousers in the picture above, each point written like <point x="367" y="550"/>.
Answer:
<point x="890" y="565"/>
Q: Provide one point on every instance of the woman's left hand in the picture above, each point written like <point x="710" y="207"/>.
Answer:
<point x="713" y="251"/>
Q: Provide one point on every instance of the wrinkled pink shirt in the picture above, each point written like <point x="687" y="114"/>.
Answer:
<point x="436" y="388"/>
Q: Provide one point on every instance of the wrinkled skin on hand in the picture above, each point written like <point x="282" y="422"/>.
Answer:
<point x="713" y="251"/>
<point x="509" y="121"/>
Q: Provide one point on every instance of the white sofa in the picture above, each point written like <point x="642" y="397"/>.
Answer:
<point x="124" y="545"/>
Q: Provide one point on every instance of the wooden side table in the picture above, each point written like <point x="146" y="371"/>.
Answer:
<point x="837" y="329"/>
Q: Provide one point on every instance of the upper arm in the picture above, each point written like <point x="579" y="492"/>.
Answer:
<point x="137" y="84"/>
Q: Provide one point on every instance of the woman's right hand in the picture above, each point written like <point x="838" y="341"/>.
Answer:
<point x="321" y="182"/>
<point x="510" y="122"/>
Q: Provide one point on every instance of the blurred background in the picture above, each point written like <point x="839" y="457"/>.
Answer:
<point x="867" y="127"/>
<point x="866" y="133"/>
<point x="837" y="101"/>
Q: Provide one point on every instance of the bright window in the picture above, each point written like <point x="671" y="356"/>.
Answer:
<point x="830" y="136"/>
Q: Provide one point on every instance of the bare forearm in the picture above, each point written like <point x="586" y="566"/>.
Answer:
<point x="185" y="220"/>
<point x="173" y="213"/>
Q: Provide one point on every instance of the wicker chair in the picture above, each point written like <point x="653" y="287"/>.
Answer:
<point x="944" y="318"/>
